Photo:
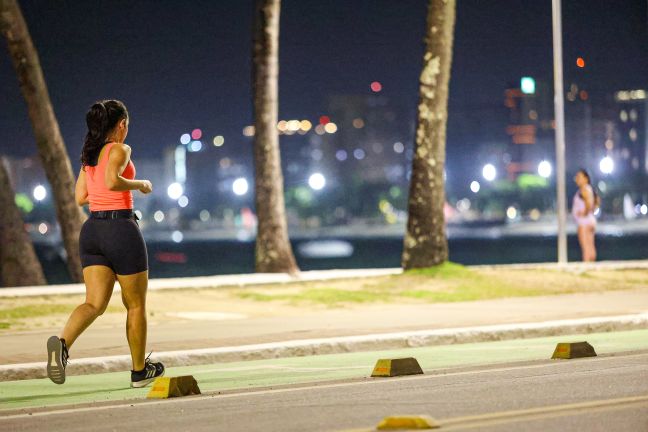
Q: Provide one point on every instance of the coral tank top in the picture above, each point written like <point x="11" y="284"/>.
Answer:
<point x="100" y="197"/>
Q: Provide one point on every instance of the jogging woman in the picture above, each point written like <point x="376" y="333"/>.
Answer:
<point x="583" y="207"/>
<point x="111" y="244"/>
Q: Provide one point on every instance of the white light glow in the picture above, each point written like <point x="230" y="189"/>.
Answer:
<point x="195" y="146"/>
<point x="489" y="172"/>
<point x="317" y="181"/>
<point x="240" y="186"/>
<point x="606" y="165"/>
<point x="175" y="191"/>
<point x="545" y="169"/>
<point x="158" y="216"/>
<point x="183" y="201"/>
<point x="475" y="186"/>
<point x="177" y="236"/>
<point x="40" y="193"/>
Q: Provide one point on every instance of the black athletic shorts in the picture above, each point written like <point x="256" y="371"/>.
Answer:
<point x="114" y="243"/>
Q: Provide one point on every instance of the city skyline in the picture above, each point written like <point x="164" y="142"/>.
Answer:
<point x="183" y="87"/>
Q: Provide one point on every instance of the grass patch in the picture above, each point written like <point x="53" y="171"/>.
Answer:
<point x="447" y="270"/>
<point x="35" y="310"/>
<point x="445" y="283"/>
<point x="323" y="296"/>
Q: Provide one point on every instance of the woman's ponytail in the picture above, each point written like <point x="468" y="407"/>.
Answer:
<point x="102" y="117"/>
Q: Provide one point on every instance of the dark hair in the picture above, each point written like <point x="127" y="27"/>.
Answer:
<point x="597" y="197"/>
<point x="102" y="117"/>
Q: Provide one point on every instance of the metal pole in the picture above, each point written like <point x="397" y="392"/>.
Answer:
<point x="559" y="107"/>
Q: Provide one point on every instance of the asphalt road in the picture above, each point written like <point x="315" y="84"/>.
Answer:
<point x="607" y="393"/>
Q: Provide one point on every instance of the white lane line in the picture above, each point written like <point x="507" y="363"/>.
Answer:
<point x="287" y="368"/>
<point x="187" y="399"/>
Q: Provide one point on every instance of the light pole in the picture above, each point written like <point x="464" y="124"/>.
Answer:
<point x="559" y="108"/>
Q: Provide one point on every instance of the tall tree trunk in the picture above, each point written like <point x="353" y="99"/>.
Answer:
<point x="49" y="141"/>
<point x="425" y="242"/>
<point x="273" y="251"/>
<point x="19" y="265"/>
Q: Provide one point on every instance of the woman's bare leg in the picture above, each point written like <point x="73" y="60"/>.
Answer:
<point x="583" y="242"/>
<point x="591" y="243"/>
<point x="99" y="281"/>
<point x="134" y="297"/>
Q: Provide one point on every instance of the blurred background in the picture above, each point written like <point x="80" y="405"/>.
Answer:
<point x="348" y="99"/>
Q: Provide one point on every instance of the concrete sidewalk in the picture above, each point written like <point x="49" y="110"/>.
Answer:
<point x="369" y="327"/>
<point x="261" y="332"/>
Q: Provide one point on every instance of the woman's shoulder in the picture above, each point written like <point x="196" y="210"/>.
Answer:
<point x="121" y="149"/>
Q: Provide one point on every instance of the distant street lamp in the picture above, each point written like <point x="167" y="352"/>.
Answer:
<point x="40" y="193"/>
<point x="544" y="169"/>
<point x="175" y="191"/>
<point x="317" y="181"/>
<point x="240" y="186"/>
<point x="606" y="165"/>
<point x="489" y="172"/>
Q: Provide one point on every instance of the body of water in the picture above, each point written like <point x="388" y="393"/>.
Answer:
<point x="211" y="257"/>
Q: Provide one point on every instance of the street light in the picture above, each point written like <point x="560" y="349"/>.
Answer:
<point x="175" y="191"/>
<point x="317" y="181"/>
<point x="544" y="169"/>
<point x="475" y="186"/>
<point x="606" y="165"/>
<point x="40" y="193"/>
<point x="240" y="186"/>
<point x="489" y="172"/>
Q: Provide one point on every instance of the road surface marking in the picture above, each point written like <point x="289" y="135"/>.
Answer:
<point x="539" y="413"/>
<point x="125" y="404"/>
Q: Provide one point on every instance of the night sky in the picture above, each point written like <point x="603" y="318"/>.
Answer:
<point x="181" y="65"/>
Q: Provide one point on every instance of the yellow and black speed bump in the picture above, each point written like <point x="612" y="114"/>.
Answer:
<point x="407" y="423"/>
<point x="396" y="367"/>
<point x="573" y="350"/>
<point x="169" y="387"/>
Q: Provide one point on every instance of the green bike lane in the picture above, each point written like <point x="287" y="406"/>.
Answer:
<point x="245" y="375"/>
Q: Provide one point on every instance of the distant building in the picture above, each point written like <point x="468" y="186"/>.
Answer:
<point x="530" y="126"/>
<point x="373" y="141"/>
<point x="631" y="145"/>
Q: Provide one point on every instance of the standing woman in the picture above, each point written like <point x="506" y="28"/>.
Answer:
<point x="111" y="244"/>
<point x="583" y="207"/>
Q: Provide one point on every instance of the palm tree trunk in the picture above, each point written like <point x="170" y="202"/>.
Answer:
<point x="19" y="265"/>
<point x="425" y="242"/>
<point x="51" y="148"/>
<point x="273" y="251"/>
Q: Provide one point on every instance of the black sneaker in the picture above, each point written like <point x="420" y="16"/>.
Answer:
<point x="148" y="374"/>
<point x="57" y="359"/>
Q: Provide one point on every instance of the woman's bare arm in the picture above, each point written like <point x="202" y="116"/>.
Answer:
<point x="117" y="161"/>
<point x="81" y="189"/>
<point x="588" y="197"/>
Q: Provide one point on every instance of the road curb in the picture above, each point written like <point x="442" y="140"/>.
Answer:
<point x="345" y="344"/>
